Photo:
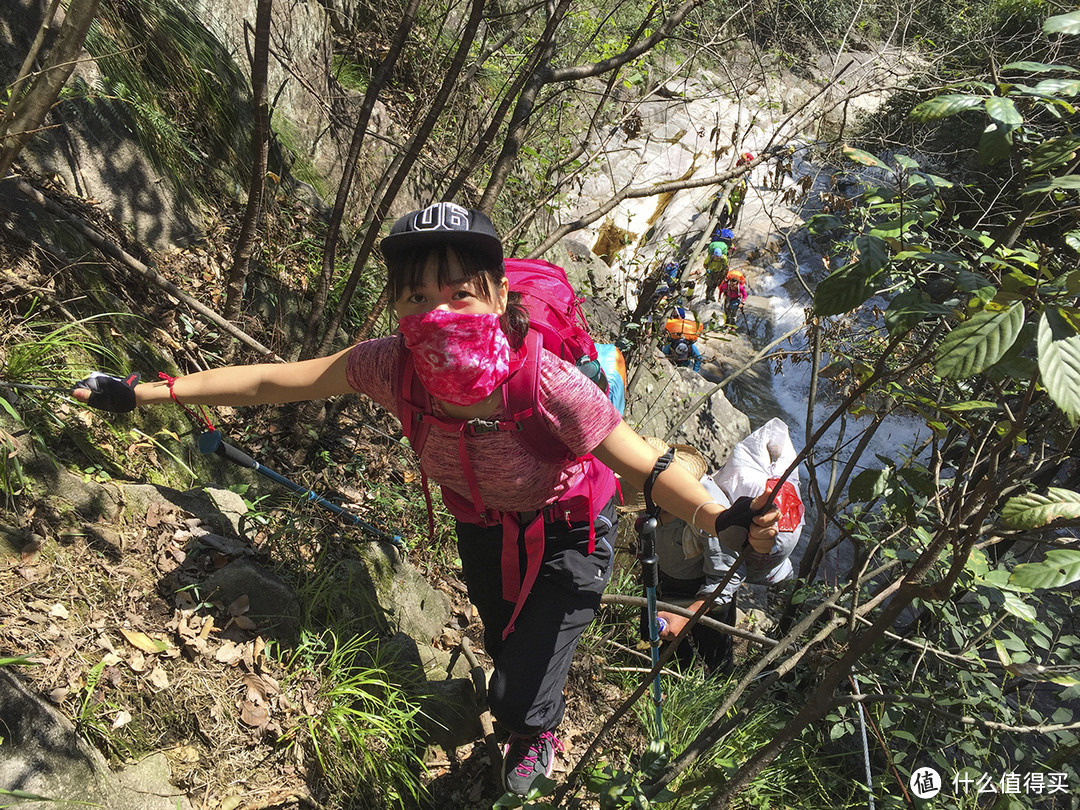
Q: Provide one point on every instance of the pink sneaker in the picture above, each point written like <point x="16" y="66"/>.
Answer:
<point x="526" y="758"/>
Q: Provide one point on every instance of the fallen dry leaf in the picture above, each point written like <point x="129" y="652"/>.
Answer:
<point x="143" y="641"/>
<point x="137" y="662"/>
<point x="240" y="606"/>
<point x="259" y="687"/>
<point x="122" y="719"/>
<point x="31" y="551"/>
<point x="59" y="694"/>
<point x="158" y="679"/>
<point x="194" y="647"/>
<point x="58" y="612"/>
<point x="230" y="653"/>
<point x="244" y="622"/>
<point x="253" y="715"/>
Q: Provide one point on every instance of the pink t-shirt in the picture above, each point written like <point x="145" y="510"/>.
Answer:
<point x="572" y="406"/>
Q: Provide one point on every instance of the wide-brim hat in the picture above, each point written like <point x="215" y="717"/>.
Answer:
<point x="689" y="457"/>
<point x="443" y="223"/>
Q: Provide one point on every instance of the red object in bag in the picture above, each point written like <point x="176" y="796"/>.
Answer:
<point x="789" y="503"/>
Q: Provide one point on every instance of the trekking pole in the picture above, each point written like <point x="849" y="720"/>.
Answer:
<point x="29" y="387"/>
<point x="211" y="443"/>
<point x="650" y="577"/>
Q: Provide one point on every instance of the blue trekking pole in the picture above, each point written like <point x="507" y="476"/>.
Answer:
<point x="650" y="578"/>
<point x="211" y="443"/>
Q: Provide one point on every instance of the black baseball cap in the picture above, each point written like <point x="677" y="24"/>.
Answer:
<point x="440" y="224"/>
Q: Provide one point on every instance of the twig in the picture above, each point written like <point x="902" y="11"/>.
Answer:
<point x="151" y="275"/>
<point x="631" y="651"/>
<point x="480" y="685"/>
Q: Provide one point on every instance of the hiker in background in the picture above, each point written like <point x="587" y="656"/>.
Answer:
<point x="716" y="266"/>
<point x="683" y="353"/>
<point x="681" y="346"/>
<point x="733" y="293"/>
<point x="693" y="564"/>
<point x="535" y="534"/>
<point x="725" y="235"/>
<point x="690" y="571"/>
<point x="671" y="270"/>
<point x="729" y="215"/>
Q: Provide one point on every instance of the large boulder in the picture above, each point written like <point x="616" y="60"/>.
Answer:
<point x="680" y="406"/>
<point x="43" y="755"/>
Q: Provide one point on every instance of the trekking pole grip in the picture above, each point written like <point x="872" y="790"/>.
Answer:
<point x="646" y="526"/>
<point x="211" y="443"/>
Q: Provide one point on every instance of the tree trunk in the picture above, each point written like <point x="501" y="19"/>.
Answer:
<point x="260" y="141"/>
<point x="545" y="74"/>
<point x="413" y="151"/>
<point x="26" y="115"/>
<point x="378" y="82"/>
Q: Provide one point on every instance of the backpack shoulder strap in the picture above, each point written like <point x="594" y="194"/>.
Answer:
<point x="413" y="400"/>
<point x="521" y="396"/>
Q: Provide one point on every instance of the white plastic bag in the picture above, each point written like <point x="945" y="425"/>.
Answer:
<point x="762" y="456"/>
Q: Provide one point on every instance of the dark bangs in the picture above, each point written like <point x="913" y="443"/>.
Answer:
<point x="408" y="273"/>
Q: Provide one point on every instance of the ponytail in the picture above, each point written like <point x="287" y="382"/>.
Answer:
<point x="515" y="321"/>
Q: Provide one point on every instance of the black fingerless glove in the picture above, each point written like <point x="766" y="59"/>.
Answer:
<point x="109" y="393"/>
<point x="738" y="514"/>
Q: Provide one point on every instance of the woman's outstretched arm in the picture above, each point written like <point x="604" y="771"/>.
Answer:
<point x="260" y="384"/>
<point x="676" y="490"/>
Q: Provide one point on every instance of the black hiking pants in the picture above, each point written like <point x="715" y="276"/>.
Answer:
<point x="525" y="693"/>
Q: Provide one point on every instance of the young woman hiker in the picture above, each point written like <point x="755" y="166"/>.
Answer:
<point x="535" y="536"/>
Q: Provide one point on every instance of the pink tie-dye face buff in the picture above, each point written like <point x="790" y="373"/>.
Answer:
<point x="460" y="357"/>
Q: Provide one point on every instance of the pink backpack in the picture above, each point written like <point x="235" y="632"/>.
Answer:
<point x="556" y="323"/>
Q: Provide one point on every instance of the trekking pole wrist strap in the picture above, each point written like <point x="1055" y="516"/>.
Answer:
<point x="661" y="464"/>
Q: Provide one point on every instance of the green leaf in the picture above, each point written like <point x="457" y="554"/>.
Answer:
<point x="841" y="291"/>
<point x="873" y="254"/>
<point x="1056" y="88"/>
<point x="1038" y="67"/>
<point x="919" y="479"/>
<point x="865" y="158"/>
<point x="1068" y="182"/>
<point x="1034" y="511"/>
<point x="1063" y="24"/>
<point x="1002" y="653"/>
<point x="910" y="308"/>
<point x="1060" y="568"/>
<point x="971" y="405"/>
<point x="654" y="759"/>
<point x="868" y="484"/>
<point x="979" y="342"/>
<point x="20" y="660"/>
<point x="1013" y="364"/>
<point x="1017" y="607"/>
<point x="820" y="223"/>
<point x="931" y="180"/>
<point x="945" y="105"/>
<point x="1052" y="153"/>
<point x="934" y="256"/>
<point x="1059" y="358"/>
<point x="994" y="144"/>
<point x="1003" y="112"/>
